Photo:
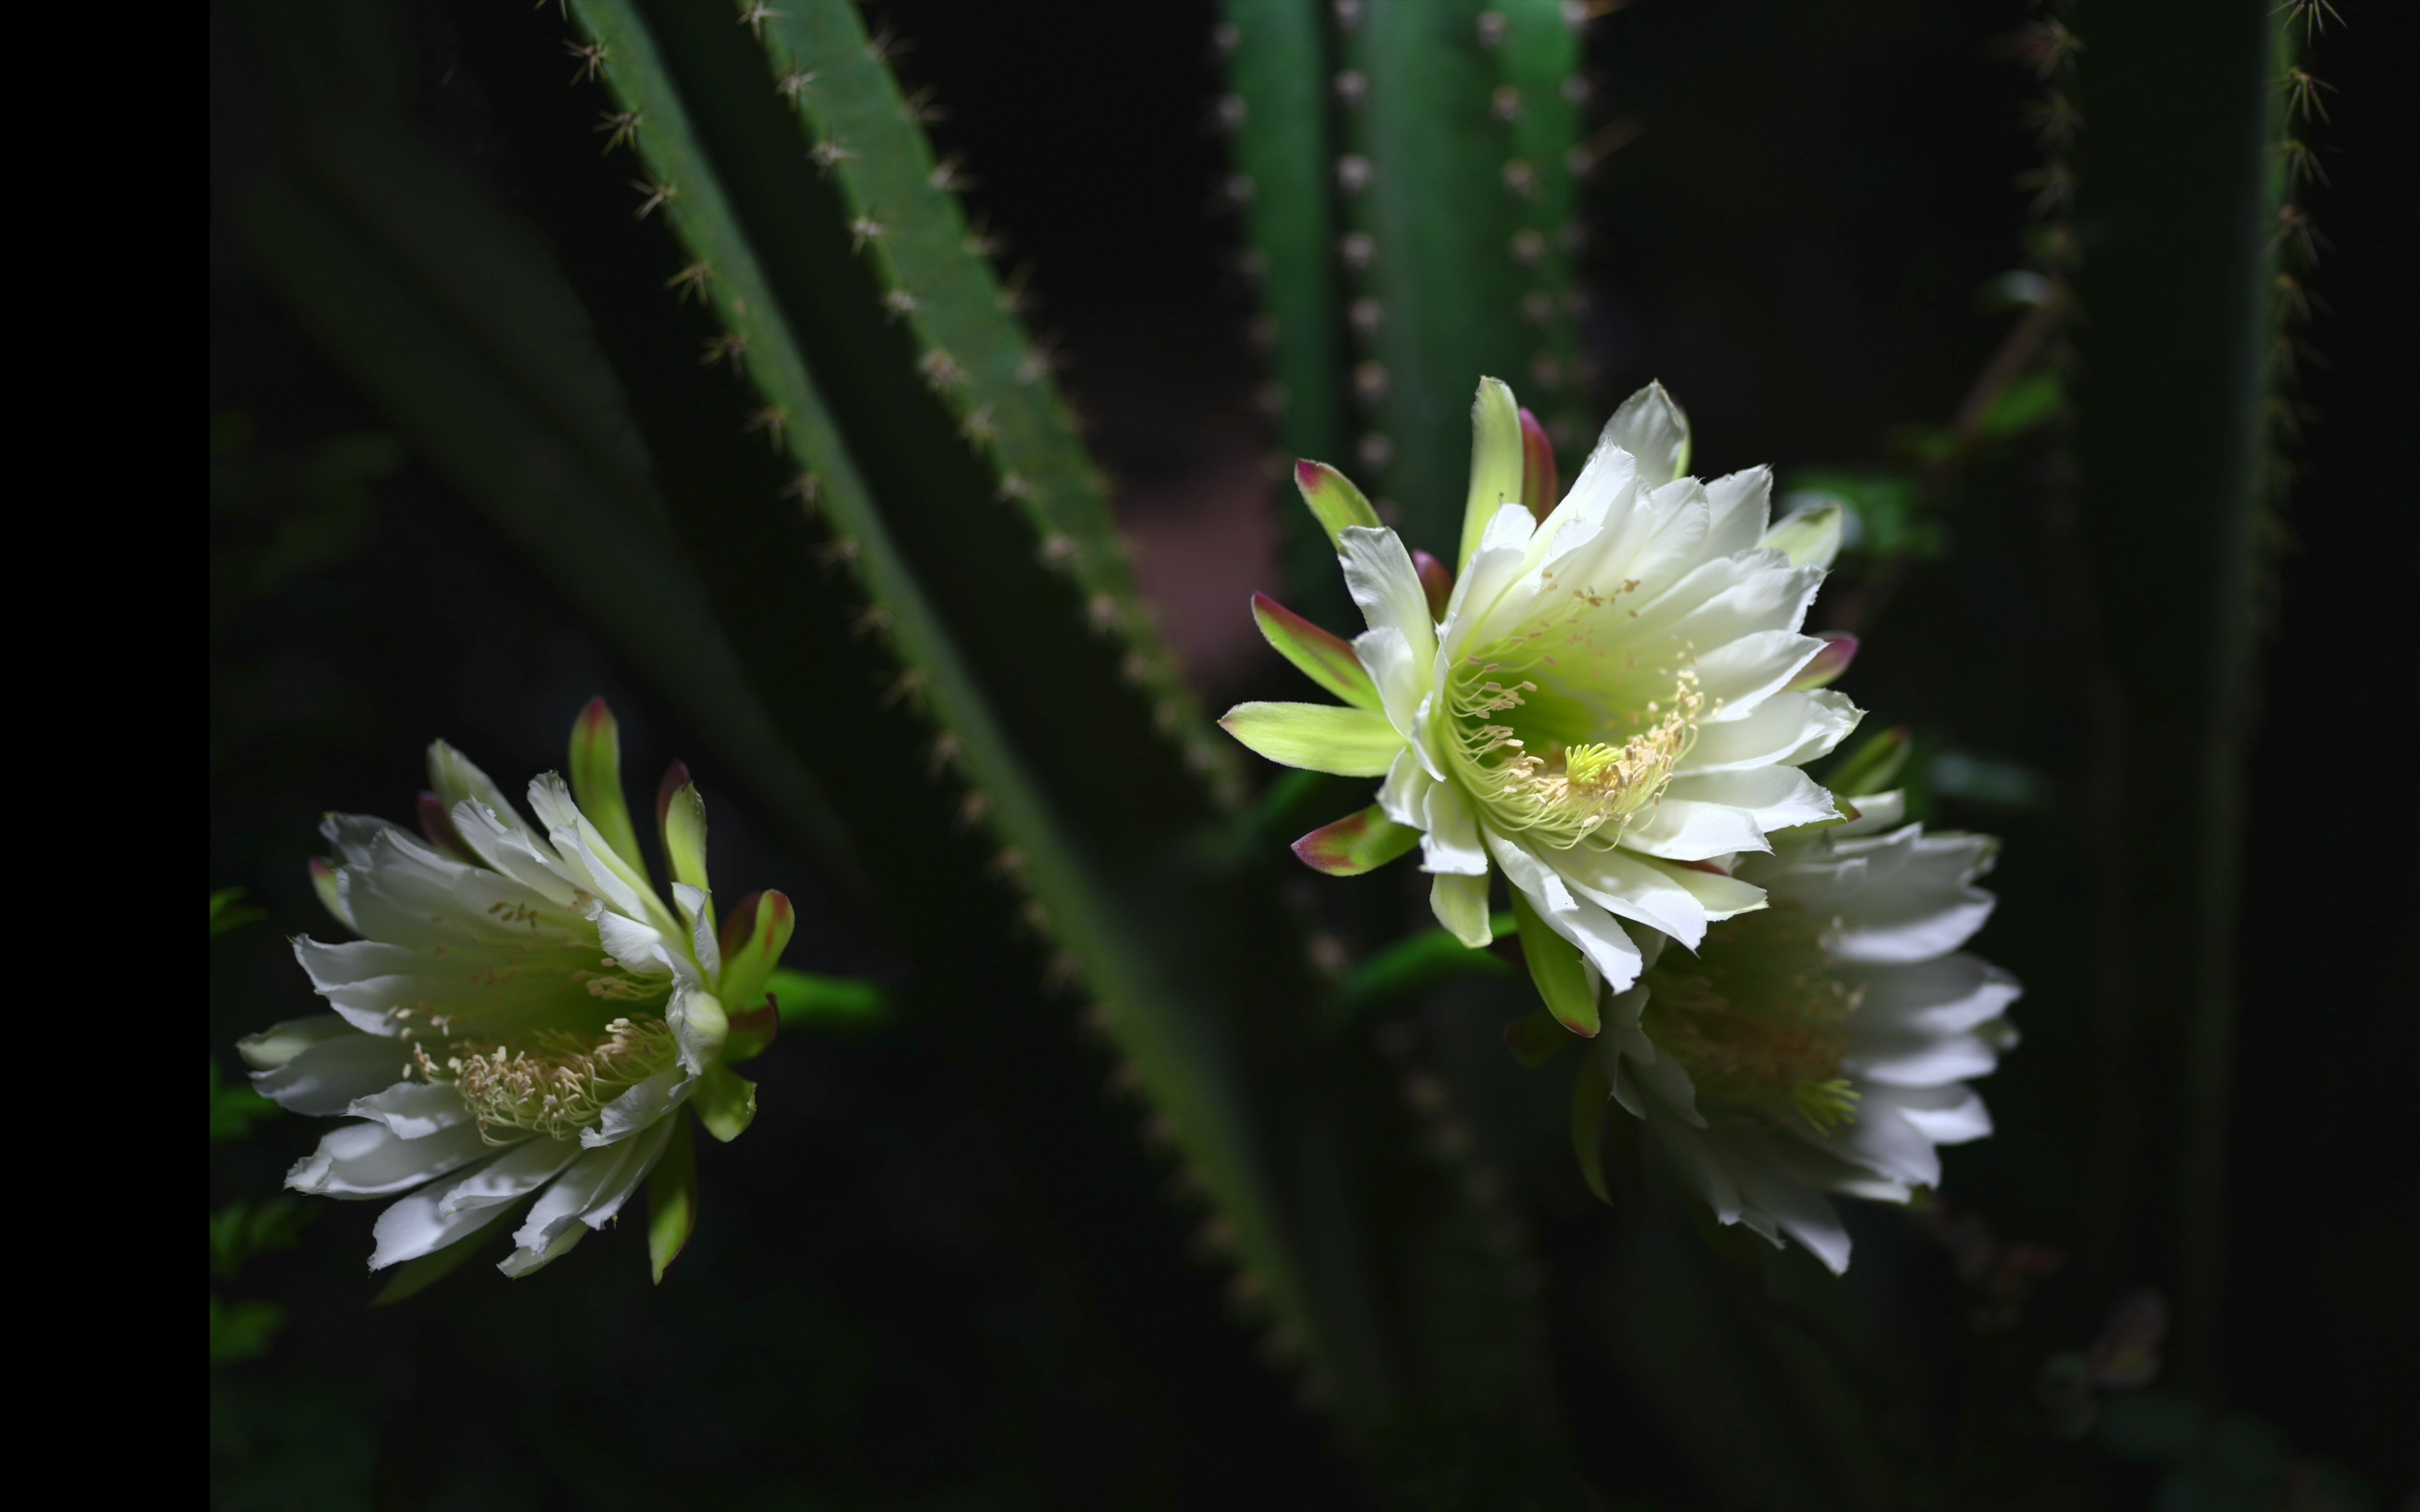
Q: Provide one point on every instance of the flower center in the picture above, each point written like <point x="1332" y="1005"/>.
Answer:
<point x="556" y="1083"/>
<point x="1525" y="751"/>
<point x="1567" y="728"/>
<point x="1758" y="1017"/>
<point x="540" y="1029"/>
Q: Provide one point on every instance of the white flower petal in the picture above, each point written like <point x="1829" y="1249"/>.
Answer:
<point x="1400" y="680"/>
<point x="1404" y="797"/>
<point x="1946" y="1115"/>
<point x="325" y="1076"/>
<point x="1607" y="486"/>
<point x="1693" y="1155"/>
<point x="1450" y="842"/>
<point x="457" y="780"/>
<point x="1876" y="812"/>
<point x="1740" y="675"/>
<point x="414" y="1226"/>
<point x="585" y="856"/>
<point x="640" y="947"/>
<point x="641" y="1106"/>
<point x="1650" y="427"/>
<point x="587" y="1195"/>
<point x="1584" y="923"/>
<point x="1776" y="798"/>
<point x="1791" y="1206"/>
<point x="1679" y="830"/>
<point x="1633" y="888"/>
<point x="370" y="1159"/>
<point x="1881" y="1140"/>
<point x="1379" y="574"/>
<point x="1784" y="729"/>
<point x="560" y="1206"/>
<point x="1948" y="995"/>
<point x="1916" y="902"/>
<point x="509" y="848"/>
<point x="645" y="1152"/>
<point x="1740" y="504"/>
<point x="1907" y="1056"/>
<point x="705" y="952"/>
<point x="510" y="1176"/>
<point x="414" y="1110"/>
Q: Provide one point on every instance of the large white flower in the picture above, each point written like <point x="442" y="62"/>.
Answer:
<point x="523" y="1020"/>
<point x="1823" y="1043"/>
<point x="1605" y="700"/>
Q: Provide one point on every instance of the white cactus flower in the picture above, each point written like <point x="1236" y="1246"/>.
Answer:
<point x="1824" y="1044"/>
<point x="1615" y="691"/>
<point x="523" y="1020"/>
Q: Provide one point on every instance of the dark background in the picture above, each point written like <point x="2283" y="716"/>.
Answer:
<point x="1795" y="244"/>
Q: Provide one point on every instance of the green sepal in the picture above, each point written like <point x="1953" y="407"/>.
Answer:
<point x="1496" y="463"/>
<point x="725" y="1103"/>
<point x="1811" y="537"/>
<point x="684" y="834"/>
<point x="225" y="915"/>
<point x="1872" y="767"/>
<point x="1324" y="657"/>
<point x="1537" y="1037"/>
<point x="671" y="1199"/>
<point x="754" y="938"/>
<point x="1590" y="1096"/>
<point x="1356" y="843"/>
<point x="597" y="780"/>
<point x="1333" y="500"/>
<point x="1413" y="966"/>
<point x="1541" y="488"/>
<point x="802" y="998"/>
<point x="1556" y="966"/>
<point x="1321" y="737"/>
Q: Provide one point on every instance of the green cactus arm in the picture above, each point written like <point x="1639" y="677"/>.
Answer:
<point x="959" y="435"/>
<point x="560" y="491"/>
<point x="1277" y="112"/>
<point x="2177" y="182"/>
<point x="973" y="352"/>
<point x="1539" y="69"/>
<point x="1168" y="1037"/>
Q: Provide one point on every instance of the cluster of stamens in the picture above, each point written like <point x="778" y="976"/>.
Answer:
<point x="1561" y="795"/>
<point x="558" y="1081"/>
<point x="1759" y="1018"/>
